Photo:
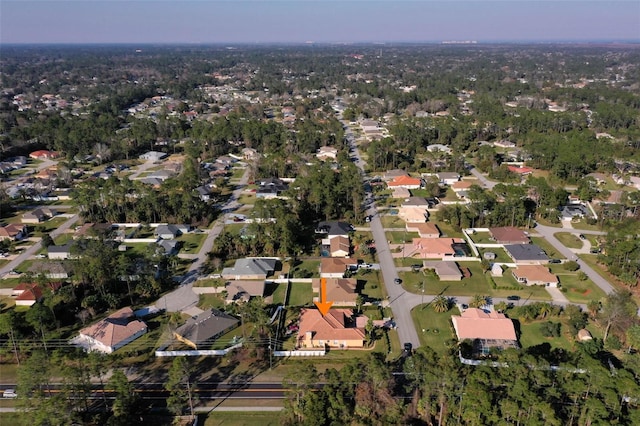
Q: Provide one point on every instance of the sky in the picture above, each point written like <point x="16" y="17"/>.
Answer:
<point x="320" y="21"/>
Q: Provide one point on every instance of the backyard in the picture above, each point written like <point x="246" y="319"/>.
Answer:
<point x="569" y="240"/>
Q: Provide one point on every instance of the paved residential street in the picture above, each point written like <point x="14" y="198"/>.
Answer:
<point x="183" y="298"/>
<point x="489" y="184"/>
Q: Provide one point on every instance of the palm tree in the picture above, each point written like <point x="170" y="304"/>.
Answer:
<point x="501" y="306"/>
<point x="545" y="309"/>
<point x="478" y="300"/>
<point x="440" y="304"/>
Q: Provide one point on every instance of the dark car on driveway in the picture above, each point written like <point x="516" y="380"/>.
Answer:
<point x="397" y="281"/>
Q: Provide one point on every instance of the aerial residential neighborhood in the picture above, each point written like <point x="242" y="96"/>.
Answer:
<point x="353" y="234"/>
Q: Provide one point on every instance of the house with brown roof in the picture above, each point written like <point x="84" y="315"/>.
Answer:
<point x="509" y="235"/>
<point x="400" y="192"/>
<point x="486" y="330"/>
<point x="406" y="182"/>
<point x="425" y="230"/>
<point x="243" y="290"/>
<point x="113" y="332"/>
<point x="535" y="275"/>
<point x="43" y="154"/>
<point x="339" y="329"/>
<point x="27" y="294"/>
<point x="461" y="185"/>
<point x="13" y="232"/>
<point x="202" y="330"/>
<point x="340" y="291"/>
<point x="339" y="246"/>
<point x="335" y="267"/>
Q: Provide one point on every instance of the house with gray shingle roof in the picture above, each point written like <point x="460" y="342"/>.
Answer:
<point x="200" y="331"/>
<point x="253" y="268"/>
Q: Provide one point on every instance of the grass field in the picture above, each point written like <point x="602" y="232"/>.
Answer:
<point x="434" y="329"/>
<point x="579" y="291"/>
<point x="309" y="268"/>
<point x="300" y="294"/>
<point x="394" y="221"/>
<point x="208" y="301"/>
<point x="244" y="418"/>
<point x="570" y="240"/>
<point x="372" y="283"/>
<point x="191" y="243"/>
<point x="399" y="237"/>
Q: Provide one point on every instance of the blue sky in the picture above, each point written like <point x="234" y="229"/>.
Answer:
<point x="267" y="21"/>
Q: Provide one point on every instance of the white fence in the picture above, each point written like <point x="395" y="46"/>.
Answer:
<point x="139" y="240"/>
<point x="299" y="353"/>
<point x="220" y="352"/>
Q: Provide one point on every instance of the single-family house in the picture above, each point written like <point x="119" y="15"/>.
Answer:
<point x="486" y="330"/>
<point x="535" y="275"/>
<point x="462" y="186"/>
<point x="153" y="156"/>
<point x="204" y="192"/>
<point x="599" y="178"/>
<point x="433" y="248"/>
<point x="338" y="329"/>
<point x="520" y="170"/>
<point x="334" y="228"/>
<point x="60" y="252"/>
<point x="38" y="215"/>
<point x="13" y="232"/>
<point x="44" y="154"/>
<point x="243" y="290"/>
<point x="335" y="267"/>
<point x="446" y="271"/>
<point x="113" y="332"/>
<point x="509" y="235"/>
<point x="424" y="230"/>
<point x="406" y="182"/>
<point x="271" y="188"/>
<point x="168" y="247"/>
<point x="27" y="294"/>
<point x="437" y="147"/>
<point x="250" y="154"/>
<point x="400" y="192"/>
<point x="504" y="144"/>
<point x="251" y="268"/>
<point x="201" y="331"/>
<point x="411" y="214"/>
<point x="51" y="270"/>
<point x="339" y="246"/>
<point x="171" y="231"/>
<point x="341" y="291"/>
<point x="526" y="254"/>
<point x="390" y="175"/>
<point x="327" y="153"/>
<point x="448" y="178"/>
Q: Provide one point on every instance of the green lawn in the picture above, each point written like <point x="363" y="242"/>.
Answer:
<point x="300" y="294"/>
<point x="392" y="221"/>
<point x="579" y="291"/>
<point x="482" y="238"/>
<point x="307" y="268"/>
<point x="208" y="301"/>
<point x="47" y="226"/>
<point x="531" y="335"/>
<point x="372" y="287"/>
<point x="569" y="240"/>
<point x="447" y="230"/>
<point x="399" y="237"/>
<point x="434" y="329"/>
<point x="247" y="198"/>
<point x="62" y="239"/>
<point x="234" y="228"/>
<point x="191" y="243"/>
<point x="278" y="293"/>
<point x="244" y="418"/>
<point x="547" y="247"/>
<point x="478" y="283"/>
<point x="501" y="255"/>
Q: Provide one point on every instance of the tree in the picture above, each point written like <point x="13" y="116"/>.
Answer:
<point x="440" y="304"/>
<point x="125" y="397"/>
<point x="633" y="337"/>
<point x="617" y="313"/>
<point x="478" y="301"/>
<point x="8" y="325"/>
<point x="180" y="387"/>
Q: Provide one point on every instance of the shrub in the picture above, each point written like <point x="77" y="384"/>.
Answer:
<point x="582" y="276"/>
<point x="550" y="329"/>
<point x="571" y="266"/>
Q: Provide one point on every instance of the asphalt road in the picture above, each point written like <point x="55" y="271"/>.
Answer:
<point x="486" y="182"/>
<point x="548" y="233"/>
<point x="26" y="254"/>
<point x="397" y="295"/>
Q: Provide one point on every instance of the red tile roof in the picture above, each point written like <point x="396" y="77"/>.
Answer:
<point x="477" y="324"/>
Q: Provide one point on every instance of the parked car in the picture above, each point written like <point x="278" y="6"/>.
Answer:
<point x="408" y="348"/>
<point x="514" y="297"/>
<point x="397" y="281"/>
<point x="365" y="265"/>
<point x="40" y="256"/>
<point x="555" y="261"/>
<point x="582" y="237"/>
<point x="9" y="393"/>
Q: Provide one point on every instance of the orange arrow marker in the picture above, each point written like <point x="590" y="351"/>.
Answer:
<point x="323" y="305"/>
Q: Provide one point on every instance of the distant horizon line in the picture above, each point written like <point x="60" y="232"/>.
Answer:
<point x="447" y="42"/>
